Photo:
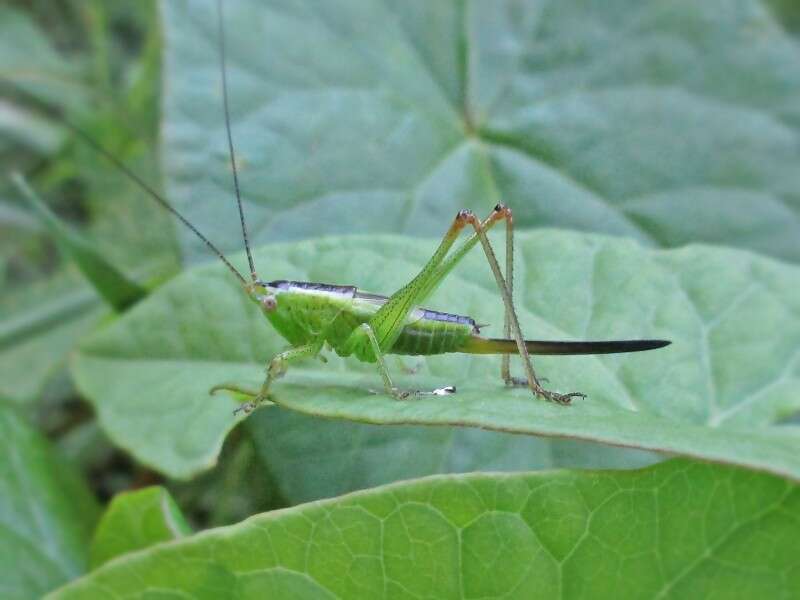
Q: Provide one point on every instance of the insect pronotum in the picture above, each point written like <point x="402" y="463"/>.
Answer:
<point x="370" y="326"/>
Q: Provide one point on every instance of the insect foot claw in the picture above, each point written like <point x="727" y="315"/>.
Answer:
<point x="562" y="398"/>
<point x="245" y="408"/>
<point x="402" y="394"/>
<point x="250" y="406"/>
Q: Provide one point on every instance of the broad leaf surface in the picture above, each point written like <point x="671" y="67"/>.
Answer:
<point x="668" y="122"/>
<point x="730" y="375"/>
<point x="312" y="458"/>
<point x="46" y="513"/>
<point x="134" y="520"/>
<point x="676" y="530"/>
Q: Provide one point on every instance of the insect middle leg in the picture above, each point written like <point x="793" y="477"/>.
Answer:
<point x="375" y="338"/>
<point x="366" y="331"/>
<point x="382" y="369"/>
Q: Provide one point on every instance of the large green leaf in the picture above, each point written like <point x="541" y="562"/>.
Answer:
<point x="677" y="530"/>
<point x="311" y="458"/>
<point x="135" y="520"/>
<point x="717" y="392"/>
<point x="46" y="513"/>
<point x="669" y="122"/>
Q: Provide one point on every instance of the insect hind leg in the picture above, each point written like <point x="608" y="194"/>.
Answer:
<point x="506" y="215"/>
<point x="505" y="364"/>
<point x="511" y="323"/>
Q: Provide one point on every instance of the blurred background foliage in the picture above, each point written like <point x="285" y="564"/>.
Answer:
<point x="98" y="62"/>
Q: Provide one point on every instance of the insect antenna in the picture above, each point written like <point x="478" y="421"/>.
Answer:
<point x="158" y="198"/>
<point x="221" y="29"/>
<point x="92" y="143"/>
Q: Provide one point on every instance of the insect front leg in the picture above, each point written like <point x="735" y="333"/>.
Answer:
<point x="276" y="368"/>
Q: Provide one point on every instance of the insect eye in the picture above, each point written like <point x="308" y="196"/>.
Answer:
<point x="269" y="303"/>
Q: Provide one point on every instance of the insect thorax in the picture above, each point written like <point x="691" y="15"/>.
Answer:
<point x="304" y="309"/>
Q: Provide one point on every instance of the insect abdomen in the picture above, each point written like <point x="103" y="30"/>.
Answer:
<point x="434" y="333"/>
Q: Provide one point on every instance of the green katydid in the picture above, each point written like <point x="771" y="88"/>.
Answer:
<point x="370" y="326"/>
